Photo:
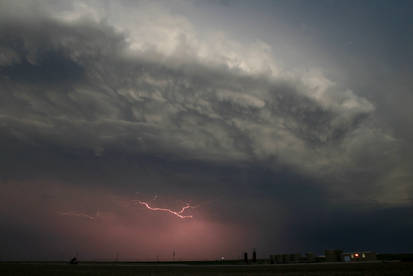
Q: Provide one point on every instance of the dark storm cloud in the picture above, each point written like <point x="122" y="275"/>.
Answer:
<point x="78" y="86"/>
<point x="275" y="154"/>
<point x="101" y="95"/>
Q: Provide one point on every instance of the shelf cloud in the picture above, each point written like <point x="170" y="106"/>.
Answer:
<point x="139" y="90"/>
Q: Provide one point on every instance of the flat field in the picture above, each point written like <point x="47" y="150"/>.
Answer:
<point x="129" y="269"/>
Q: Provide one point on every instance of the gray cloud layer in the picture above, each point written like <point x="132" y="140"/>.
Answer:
<point x="79" y="85"/>
<point x="80" y="82"/>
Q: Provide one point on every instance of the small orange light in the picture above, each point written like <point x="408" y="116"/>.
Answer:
<point x="356" y="255"/>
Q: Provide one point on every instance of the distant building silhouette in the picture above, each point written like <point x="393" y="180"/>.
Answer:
<point x="359" y="256"/>
<point x="336" y="255"/>
<point x="292" y="258"/>
<point x="309" y="257"/>
<point x="333" y="255"/>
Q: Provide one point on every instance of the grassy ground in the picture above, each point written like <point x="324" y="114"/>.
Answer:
<point x="129" y="269"/>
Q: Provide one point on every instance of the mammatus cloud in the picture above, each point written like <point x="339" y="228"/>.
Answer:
<point x="81" y="76"/>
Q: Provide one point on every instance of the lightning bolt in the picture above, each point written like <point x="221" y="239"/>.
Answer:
<point x="179" y="213"/>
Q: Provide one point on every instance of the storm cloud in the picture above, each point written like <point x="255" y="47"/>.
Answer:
<point x="97" y="109"/>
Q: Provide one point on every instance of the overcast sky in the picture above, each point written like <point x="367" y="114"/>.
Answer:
<point x="286" y="125"/>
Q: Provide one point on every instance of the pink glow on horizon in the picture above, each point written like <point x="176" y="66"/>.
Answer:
<point x="176" y="213"/>
<point x="97" y="222"/>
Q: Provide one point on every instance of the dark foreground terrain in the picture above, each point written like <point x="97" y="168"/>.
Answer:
<point x="129" y="269"/>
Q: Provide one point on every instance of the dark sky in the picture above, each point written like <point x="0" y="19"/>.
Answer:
<point x="285" y="125"/>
